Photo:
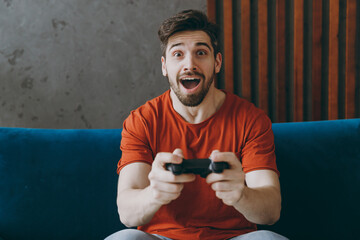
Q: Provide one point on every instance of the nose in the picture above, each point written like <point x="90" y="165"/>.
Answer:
<point x="189" y="63"/>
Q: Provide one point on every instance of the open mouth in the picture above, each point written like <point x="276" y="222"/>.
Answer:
<point x="190" y="83"/>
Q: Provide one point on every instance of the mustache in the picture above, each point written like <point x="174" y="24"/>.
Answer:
<point x="192" y="74"/>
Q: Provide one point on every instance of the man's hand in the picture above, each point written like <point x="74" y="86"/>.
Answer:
<point x="229" y="184"/>
<point x="164" y="185"/>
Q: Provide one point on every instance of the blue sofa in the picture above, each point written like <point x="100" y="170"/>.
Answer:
<point x="61" y="184"/>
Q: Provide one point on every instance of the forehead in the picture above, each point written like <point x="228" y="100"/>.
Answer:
<point x="188" y="38"/>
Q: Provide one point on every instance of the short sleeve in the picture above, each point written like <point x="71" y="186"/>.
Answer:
<point x="259" y="148"/>
<point x="135" y="145"/>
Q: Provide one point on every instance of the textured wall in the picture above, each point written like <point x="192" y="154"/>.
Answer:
<point x="80" y="63"/>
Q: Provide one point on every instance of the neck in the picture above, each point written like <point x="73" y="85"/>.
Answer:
<point x="209" y="106"/>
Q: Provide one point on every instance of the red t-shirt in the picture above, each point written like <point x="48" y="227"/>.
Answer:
<point x="238" y="126"/>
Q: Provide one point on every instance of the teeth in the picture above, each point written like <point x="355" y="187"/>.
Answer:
<point x="190" y="79"/>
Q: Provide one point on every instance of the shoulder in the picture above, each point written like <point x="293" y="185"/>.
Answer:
<point x="249" y="118"/>
<point x="138" y="131"/>
<point x="149" y="111"/>
<point x="242" y="108"/>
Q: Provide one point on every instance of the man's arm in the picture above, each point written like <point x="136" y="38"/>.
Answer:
<point x="143" y="189"/>
<point x="261" y="198"/>
<point x="256" y="194"/>
<point x="135" y="205"/>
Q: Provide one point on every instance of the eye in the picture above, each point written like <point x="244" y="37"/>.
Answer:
<point x="177" y="54"/>
<point x="202" y="52"/>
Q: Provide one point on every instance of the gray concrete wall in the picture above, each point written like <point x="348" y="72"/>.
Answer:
<point x="80" y="63"/>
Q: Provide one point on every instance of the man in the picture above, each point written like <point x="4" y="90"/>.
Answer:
<point x="196" y="120"/>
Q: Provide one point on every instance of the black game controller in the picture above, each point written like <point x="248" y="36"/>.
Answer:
<point x="202" y="167"/>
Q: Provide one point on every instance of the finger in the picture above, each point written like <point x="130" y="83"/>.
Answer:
<point x="228" y="197"/>
<point x="163" y="157"/>
<point x="178" y="152"/>
<point x="167" y="187"/>
<point x="217" y="156"/>
<point x="165" y="197"/>
<point x="166" y="176"/>
<point x="213" y="154"/>
<point x="182" y="178"/>
<point x="216" y="177"/>
<point x="223" y="186"/>
<point x="232" y="174"/>
<point x="228" y="157"/>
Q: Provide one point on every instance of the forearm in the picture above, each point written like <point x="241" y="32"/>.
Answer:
<point x="136" y="207"/>
<point x="143" y="189"/>
<point x="260" y="205"/>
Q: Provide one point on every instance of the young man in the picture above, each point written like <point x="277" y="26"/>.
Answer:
<point x="196" y="120"/>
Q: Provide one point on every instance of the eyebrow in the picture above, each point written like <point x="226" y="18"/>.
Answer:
<point x="203" y="44"/>
<point x="197" y="44"/>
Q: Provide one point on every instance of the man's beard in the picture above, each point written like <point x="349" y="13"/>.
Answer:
<point x="192" y="100"/>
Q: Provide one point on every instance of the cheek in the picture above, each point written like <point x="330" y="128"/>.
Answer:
<point x="171" y="71"/>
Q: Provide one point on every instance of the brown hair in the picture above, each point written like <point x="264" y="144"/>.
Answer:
<point x="188" y="20"/>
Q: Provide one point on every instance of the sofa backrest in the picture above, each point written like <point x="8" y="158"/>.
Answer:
<point x="61" y="184"/>
<point x="58" y="184"/>
<point x="319" y="164"/>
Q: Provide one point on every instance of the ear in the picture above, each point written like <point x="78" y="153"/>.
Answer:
<point x="218" y="62"/>
<point x="163" y="66"/>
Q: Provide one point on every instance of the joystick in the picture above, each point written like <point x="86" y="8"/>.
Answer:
<point x="202" y="167"/>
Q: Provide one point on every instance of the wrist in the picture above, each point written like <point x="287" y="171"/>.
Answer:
<point x="153" y="198"/>
<point x="243" y="193"/>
